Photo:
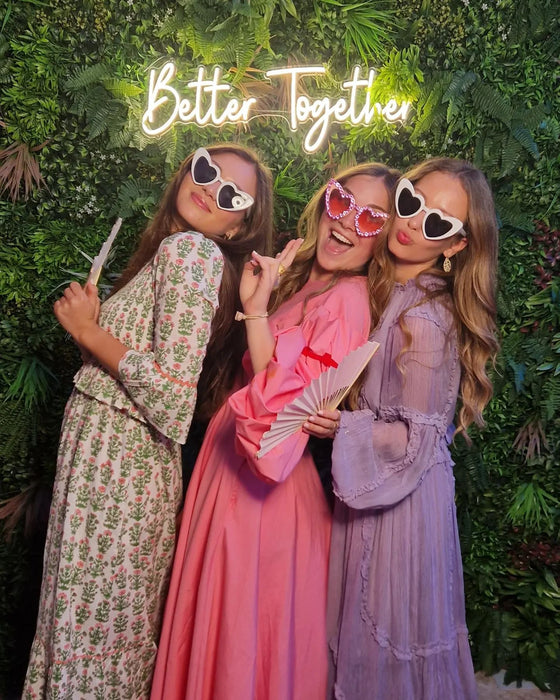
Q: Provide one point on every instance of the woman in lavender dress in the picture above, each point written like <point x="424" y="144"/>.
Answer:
<point x="396" y="604"/>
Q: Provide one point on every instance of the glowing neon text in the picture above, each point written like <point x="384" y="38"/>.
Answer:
<point x="166" y="106"/>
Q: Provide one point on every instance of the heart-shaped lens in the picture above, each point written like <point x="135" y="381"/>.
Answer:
<point x="435" y="226"/>
<point x="228" y="197"/>
<point x="339" y="202"/>
<point x="408" y="204"/>
<point x="203" y="171"/>
<point x="370" y="222"/>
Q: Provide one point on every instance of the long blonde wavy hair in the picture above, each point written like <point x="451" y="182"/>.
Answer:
<point x="470" y="285"/>
<point x="308" y="226"/>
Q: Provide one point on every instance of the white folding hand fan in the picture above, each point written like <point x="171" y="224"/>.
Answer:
<point x="100" y="259"/>
<point x="323" y="393"/>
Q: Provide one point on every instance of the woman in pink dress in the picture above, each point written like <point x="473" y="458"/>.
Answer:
<point x="245" y="616"/>
<point x="396" y="605"/>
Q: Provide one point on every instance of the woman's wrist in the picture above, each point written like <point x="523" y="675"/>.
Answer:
<point x="241" y="316"/>
<point x="87" y="335"/>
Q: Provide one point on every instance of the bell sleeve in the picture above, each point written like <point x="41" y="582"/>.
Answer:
<point x="187" y="272"/>
<point x="332" y="329"/>
<point x="381" y="455"/>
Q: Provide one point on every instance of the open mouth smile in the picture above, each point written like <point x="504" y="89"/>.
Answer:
<point x="341" y="239"/>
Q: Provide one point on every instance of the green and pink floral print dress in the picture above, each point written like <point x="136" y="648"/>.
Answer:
<point x="118" y="485"/>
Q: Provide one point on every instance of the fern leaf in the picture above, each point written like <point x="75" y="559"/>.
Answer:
<point x="97" y="120"/>
<point x="168" y="144"/>
<point x="488" y="151"/>
<point x="492" y="103"/>
<point x="89" y="100"/>
<point x="519" y="370"/>
<point x="522" y="134"/>
<point x="460" y="83"/>
<point x="430" y="110"/>
<point x="511" y="153"/>
<point x="122" y="88"/>
<point x="533" y="117"/>
<point x="456" y="93"/>
<point x="137" y="196"/>
<point x="550" y="401"/>
<point x="120" y="139"/>
<point x="512" y="215"/>
<point x="85" y="77"/>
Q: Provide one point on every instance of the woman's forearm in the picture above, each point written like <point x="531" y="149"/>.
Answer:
<point x="260" y="341"/>
<point x="106" y="349"/>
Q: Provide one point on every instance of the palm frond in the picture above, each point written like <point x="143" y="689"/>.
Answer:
<point x="287" y="186"/>
<point x="367" y="30"/>
<point x="533" y="508"/>
<point x="400" y="78"/>
<point x="531" y="439"/>
<point x="19" y="169"/>
<point x="32" y="383"/>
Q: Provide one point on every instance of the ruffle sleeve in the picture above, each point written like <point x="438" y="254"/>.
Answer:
<point x="331" y="329"/>
<point x="162" y="383"/>
<point x="381" y="454"/>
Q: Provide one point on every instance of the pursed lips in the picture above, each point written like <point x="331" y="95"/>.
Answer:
<point x="403" y="238"/>
<point x="199" y="201"/>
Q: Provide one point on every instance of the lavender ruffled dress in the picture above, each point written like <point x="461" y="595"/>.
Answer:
<point x="396" y="617"/>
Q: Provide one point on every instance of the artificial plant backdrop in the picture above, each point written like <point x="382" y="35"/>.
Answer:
<point x="483" y="76"/>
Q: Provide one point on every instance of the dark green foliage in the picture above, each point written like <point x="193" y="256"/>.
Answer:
<point x="483" y="77"/>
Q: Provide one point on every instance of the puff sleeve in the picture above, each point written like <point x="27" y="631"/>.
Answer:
<point x="332" y="329"/>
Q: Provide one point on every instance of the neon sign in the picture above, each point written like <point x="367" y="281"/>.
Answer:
<point x="166" y="106"/>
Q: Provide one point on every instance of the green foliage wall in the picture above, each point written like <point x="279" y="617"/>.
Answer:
<point x="484" y="80"/>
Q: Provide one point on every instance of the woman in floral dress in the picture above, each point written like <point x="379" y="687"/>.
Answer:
<point x="245" y="617"/>
<point x="118" y="485"/>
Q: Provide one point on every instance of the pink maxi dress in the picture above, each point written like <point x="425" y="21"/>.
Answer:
<point x="246" y="614"/>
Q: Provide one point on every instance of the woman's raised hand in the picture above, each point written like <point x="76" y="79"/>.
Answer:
<point x="260" y="276"/>
<point x="77" y="309"/>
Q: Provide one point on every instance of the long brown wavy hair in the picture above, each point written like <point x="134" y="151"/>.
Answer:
<point x="308" y="225"/>
<point x="227" y="341"/>
<point x="470" y="285"/>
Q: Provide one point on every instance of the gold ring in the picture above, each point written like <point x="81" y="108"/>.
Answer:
<point x="281" y="269"/>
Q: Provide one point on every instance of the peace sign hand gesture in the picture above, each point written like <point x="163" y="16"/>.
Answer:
<point x="260" y="276"/>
